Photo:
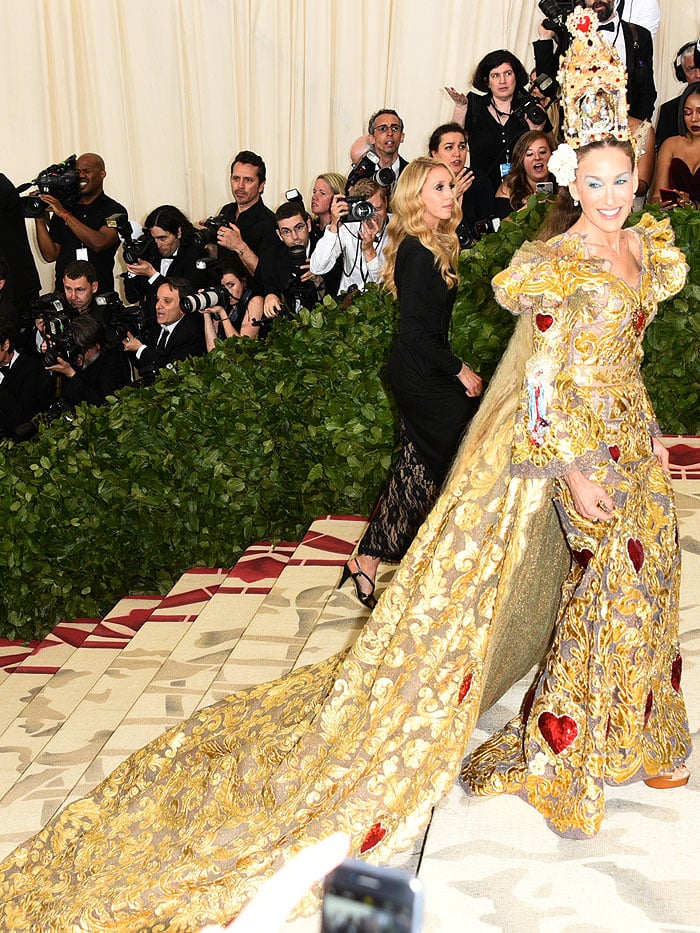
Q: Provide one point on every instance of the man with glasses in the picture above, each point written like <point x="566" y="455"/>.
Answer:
<point x="283" y="276"/>
<point x="385" y="134"/>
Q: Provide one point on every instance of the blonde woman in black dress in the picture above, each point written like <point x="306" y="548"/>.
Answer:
<point x="435" y="391"/>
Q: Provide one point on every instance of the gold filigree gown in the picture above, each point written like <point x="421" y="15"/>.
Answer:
<point x="185" y="830"/>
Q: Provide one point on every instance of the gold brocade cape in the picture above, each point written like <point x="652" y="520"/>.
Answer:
<point x="183" y="832"/>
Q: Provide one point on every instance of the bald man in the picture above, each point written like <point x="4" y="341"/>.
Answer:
<point x="79" y="230"/>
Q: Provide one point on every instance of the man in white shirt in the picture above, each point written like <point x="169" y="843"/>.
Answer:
<point x="361" y="244"/>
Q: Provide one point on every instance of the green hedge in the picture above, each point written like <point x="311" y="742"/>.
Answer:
<point x="254" y="441"/>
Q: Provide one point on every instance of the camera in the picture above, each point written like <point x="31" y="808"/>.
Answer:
<point x="214" y="295"/>
<point x="556" y="12"/>
<point x="133" y="248"/>
<point x="49" y="304"/>
<point x="486" y="225"/>
<point x="528" y="105"/>
<point x="206" y="235"/>
<point x="358" y="209"/>
<point x="60" y="180"/>
<point x="368" y="167"/>
<point x="117" y="318"/>
<point x="59" y="340"/>
<point x="297" y="260"/>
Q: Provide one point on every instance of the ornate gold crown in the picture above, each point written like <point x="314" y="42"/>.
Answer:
<point x="593" y="84"/>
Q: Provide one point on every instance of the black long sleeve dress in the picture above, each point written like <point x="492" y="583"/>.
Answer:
<point x="433" y="406"/>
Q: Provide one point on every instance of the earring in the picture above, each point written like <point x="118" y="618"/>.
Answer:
<point x="575" y="203"/>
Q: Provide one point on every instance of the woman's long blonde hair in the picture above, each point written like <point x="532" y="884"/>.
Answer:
<point x="407" y="220"/>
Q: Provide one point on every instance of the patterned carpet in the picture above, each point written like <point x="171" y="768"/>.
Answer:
<point x="76" y="704"/>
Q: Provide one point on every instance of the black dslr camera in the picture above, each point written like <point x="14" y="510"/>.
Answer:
<point x="206" y="235"/>
<point x="368" y="167"/>
<point x="61" y="181"/>
<point x="133" y="248"/>
<point x="556" y="13"/>
<point x="59" y="340"/>
<point x="527" y="105"/>
<point x="358" y="209"/>
<point x="117" y="318"/>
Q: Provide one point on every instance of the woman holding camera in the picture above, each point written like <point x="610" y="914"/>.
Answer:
<point x="495" y="118"/>
<point x="244" y="308"/>
<point x="435" y="391"/>
<point x="529" y="170"/>
<point x="175" y="252"/>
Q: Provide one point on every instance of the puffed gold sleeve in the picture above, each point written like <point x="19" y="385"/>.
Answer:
<point x="555" y="427"/>
<point x="668" y="262"/>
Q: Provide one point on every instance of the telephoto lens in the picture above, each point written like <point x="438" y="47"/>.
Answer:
<point x="216" y="295"/>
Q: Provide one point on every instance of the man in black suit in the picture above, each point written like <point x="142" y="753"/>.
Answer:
<point x="688" y="72"/>
<point x="174" y="252"/>
<point x="177" y="334"/>
<point x="25" y="386"/>
<point x="97" y="370"/>
<point x="385" y="134"/>
<point x="636" y="50"/>
<point x="634" y="45"/>
<point x="283" y="277"/>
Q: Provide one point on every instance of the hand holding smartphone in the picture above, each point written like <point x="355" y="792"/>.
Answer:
<point x="669" y="195"/>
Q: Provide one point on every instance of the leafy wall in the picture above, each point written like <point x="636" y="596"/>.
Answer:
<point x="254" y="441"/>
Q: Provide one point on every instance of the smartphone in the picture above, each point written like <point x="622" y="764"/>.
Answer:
<point x="362" y="897"/>
<point x="544" y="187"/>
<point x="668" y="194"/>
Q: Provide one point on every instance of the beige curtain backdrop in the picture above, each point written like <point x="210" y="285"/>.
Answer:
<point x="168" y="90"/>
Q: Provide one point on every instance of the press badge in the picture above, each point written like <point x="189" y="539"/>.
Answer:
<point x="505" y="169"/>
<point x="81" y="253"/>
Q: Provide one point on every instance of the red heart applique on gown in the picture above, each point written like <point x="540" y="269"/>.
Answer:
<point x="636" y="553"/>
<point x="543" y="321"/>
<point x="373" y="837"/>
<point x="558" y="731"/>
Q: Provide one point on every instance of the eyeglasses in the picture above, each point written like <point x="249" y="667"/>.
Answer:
<point x="297" y="228"/>
<point x="384" y="127"/>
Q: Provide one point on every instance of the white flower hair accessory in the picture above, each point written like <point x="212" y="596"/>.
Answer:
<point x="563" y="164"/>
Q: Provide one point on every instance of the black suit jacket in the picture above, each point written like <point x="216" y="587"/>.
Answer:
<point x="667" y="124"/>
<point x="138" y="289"/>
<point x="186" y="339"/>
<point x="26" y="389"/>
<point x="103" y="377"/>
<point x="641" y="90"/>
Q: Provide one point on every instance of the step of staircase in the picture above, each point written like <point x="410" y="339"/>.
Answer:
<point x="76" y="704"/>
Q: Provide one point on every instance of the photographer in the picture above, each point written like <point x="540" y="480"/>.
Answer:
<point x="251" y="225"/>
<point x="22" y="283"/>
<point x="96" y="371"/>
<point x="81" y="232"/>
<point x="634" y="45"/>
<point x="385" y="134"/>
<point x="361" y="244"/>
<point x="175" y="253"/>
<point x="25" y="387"/>
<point x="496" y="118"/>
<point x="283" y="276"/>
<point x="176" y="334"/>
<point x="80" y="286"/>
<point x="240" y="316"/>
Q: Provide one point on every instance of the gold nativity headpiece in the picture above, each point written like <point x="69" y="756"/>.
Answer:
<point x="593" y="90"/>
